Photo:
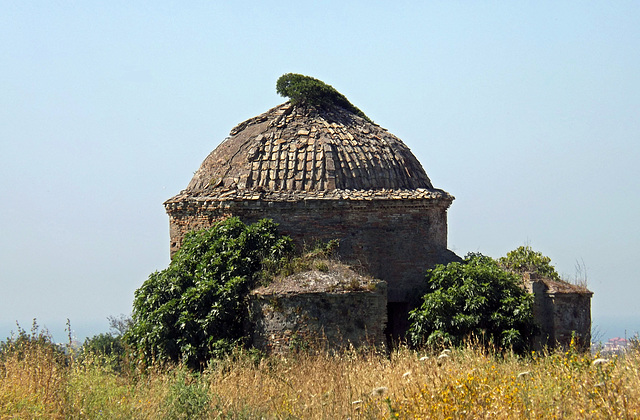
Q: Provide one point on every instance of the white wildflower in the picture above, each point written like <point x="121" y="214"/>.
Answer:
<point x="442" y="358"/>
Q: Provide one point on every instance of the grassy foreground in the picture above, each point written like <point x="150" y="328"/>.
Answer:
<point x="464" y="383"/>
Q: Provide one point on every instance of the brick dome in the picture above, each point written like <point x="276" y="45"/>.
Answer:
<point x="302" y="151"/>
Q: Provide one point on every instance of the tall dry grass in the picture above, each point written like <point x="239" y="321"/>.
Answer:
<point x="462" y="383"/>
<point x="33" y="380"/>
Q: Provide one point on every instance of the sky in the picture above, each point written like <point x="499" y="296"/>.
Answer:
<point x="527" y="112"/>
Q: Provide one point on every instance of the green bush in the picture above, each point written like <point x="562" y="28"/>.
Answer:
<point x="477" y="298"/>
<point x="304" y="89"/>
<point x="524" y="259"/>
<point x="188" y="398"/>
<point x="194" y="308"/>
<point x="23" y="343"/>
<point x="105" y="344"/>
<point x="109" y="348"/>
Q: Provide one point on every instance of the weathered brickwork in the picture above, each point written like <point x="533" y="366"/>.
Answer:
<point x="561" y="310"/>
<point x="286" y="319"/>
<point x="301" y="148"/>
<point x="393" y="240"/>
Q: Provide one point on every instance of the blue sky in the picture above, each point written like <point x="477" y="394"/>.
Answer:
<point x="527" y="112"/>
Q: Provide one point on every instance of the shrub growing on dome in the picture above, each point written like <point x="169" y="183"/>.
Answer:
<point x="193" y="310"/>
<point x="304" y="89"/>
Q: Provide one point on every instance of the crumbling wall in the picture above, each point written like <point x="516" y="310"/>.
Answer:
<point x="395" y="240"/>
<point x="572" y="316"/>
<point x="281" y="322"/>
<point x="561" y="310"/>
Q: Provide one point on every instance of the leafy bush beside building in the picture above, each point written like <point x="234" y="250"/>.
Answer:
<point x="193" y="310"/>
<point x="476" y="297"/>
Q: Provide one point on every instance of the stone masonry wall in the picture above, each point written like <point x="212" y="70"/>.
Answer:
<point x="393" y="240"/>
<point x="542" y="314"/>
<point x="561" y="310"/>
<point x="284" y="322"/>
<point x="572" y="314"/>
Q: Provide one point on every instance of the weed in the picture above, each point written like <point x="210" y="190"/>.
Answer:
<point x="322" y="266"/>
<point x="471" y="382"/>
<point x="188" y="397"/>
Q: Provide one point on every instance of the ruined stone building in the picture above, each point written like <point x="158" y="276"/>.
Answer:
<point x="323" y="174"/>
<point x="326" y="174"/>
<point x="561" y="310"/>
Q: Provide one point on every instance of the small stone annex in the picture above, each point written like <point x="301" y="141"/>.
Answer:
<point x="561" y="310"/>
<point x="328" y="306"/>
<point x="325" y="173"/>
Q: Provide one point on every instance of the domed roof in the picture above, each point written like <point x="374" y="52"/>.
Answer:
<point x="301" y="150"/>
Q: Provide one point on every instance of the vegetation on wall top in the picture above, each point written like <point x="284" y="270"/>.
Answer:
<point x="302" y="89"/>
<point x="525" y="259"/>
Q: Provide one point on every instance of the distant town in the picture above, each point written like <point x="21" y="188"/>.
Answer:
<point x="616" y="345"/>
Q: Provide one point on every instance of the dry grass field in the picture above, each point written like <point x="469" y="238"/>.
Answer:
<point x="36" y="382"/>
